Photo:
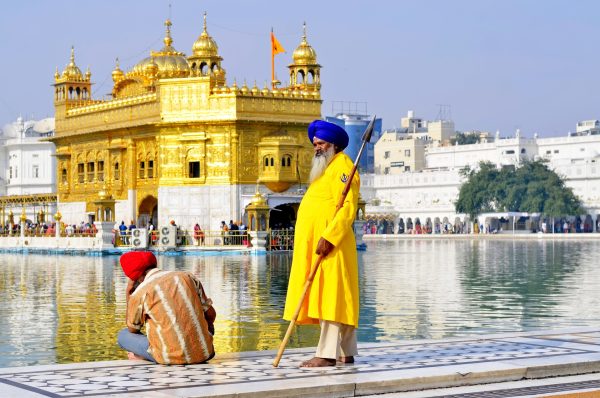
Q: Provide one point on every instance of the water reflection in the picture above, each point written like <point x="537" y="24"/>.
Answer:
<point x="58" y="309"/>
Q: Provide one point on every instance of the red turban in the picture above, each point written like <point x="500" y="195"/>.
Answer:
<point x="136" y="263"/>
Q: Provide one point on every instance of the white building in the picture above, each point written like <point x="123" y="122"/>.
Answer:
<point x="397" y="152"/>
<point x="430" y="194"/>
<point x="403" y="150"/>
<point x="28" y="162"/>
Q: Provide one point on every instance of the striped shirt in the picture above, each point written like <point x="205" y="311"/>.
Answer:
<point x="171" y="304"/>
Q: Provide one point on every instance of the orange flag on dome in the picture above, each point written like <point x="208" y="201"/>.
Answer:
<point x="276" y="46"/>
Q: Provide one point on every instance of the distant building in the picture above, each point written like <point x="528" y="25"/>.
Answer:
<point x="29" y="166"/>
<point x="355" y="122"/>
<point x="397" y="152"/>
<point x="588" y="127"/>
<point x="428" y="194"/>
<point x="403" y="150"/>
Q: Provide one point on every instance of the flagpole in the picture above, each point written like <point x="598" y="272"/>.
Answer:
<point x="272" y="62"/>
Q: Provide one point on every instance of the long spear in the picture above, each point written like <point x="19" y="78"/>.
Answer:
<point x="365" y="140"/>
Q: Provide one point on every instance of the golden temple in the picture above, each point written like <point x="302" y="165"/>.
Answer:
<point x="176" y="141"/>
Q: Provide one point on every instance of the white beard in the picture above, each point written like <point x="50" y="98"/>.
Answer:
<point x="320" y="163"/>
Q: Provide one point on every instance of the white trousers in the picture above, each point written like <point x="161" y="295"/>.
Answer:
<point x="336" y="340"/>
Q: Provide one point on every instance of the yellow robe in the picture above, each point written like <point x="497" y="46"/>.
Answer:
<point x="333" y="295"/>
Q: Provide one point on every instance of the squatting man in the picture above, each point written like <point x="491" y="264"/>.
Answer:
<point x="173" y="306"/>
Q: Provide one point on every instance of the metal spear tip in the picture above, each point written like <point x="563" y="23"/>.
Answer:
<point x="369" y="130"/>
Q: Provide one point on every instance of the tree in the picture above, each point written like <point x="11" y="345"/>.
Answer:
<point x="531" y="187"/>
<point x="464" y="139"/>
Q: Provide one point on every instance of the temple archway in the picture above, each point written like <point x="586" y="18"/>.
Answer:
<point x="148" y="212"/>
<point x="283" y="216"/>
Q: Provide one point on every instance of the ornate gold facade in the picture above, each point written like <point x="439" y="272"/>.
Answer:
<point x="175" y="121"/>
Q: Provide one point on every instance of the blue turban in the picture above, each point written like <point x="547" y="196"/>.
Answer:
<point x="329" y="132"/>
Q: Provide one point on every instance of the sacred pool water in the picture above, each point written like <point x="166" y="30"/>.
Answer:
<point x="60" y="309"/>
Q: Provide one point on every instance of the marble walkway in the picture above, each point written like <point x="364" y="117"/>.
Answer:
<point x="381" y="368"/>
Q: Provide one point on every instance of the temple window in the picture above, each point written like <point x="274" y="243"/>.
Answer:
<point x="63" y="176"/>
<point x="10" y="173"/>
<point x="194" y="169"/>
<point x="100" y="172"/>
<point x="142" y="170"/>
<point x="80" y="173"/>
<point x="90" y="171"/>
<point x="286" y="161"/>
<point x="117" y="172"/>
<point x="151" y="169"/>
<point x="36" y="171"/>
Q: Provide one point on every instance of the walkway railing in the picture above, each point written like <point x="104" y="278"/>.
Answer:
<point x="281" y="239"/>
<point x="190" y="238"/>
<point x="277" y="240"/>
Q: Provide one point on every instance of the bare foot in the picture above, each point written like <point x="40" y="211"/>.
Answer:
<point x="317" y="362"/>
<point x="133" y="357"/>
<point x="346" y="359"/>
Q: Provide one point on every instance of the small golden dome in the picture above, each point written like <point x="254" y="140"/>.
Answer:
<point x="117" y="73"/>
<point x="88" y="74"/>
<point x="245" y="88"/>
<point x="304" y="53"/>
<point x="220" y="73"/>
<point x="171" y="63"/>
<point x="151" y="68"/>
<point x="258" y="199"/>
<point x="72" y="71"/>
<point x="255" y="90"/>
<point x="265" y="90"/>
<point x="205" y="46"/>
<point x="104" y="194"/>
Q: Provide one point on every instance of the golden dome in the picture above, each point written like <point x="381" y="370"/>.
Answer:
<point x="151" y="68"/>
<point x="104" y="194"/>
<point x="304" y="53"/>
<point x="117" y="73"/>
<point x="258" y="200"/>
<point x="72" y="71"/>
<point x="205" y="46"/>
<point x="255" y="90"/>
<point x="170" y="62"/>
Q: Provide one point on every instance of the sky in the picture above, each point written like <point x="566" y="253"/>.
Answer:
<point x="488" y="65"/>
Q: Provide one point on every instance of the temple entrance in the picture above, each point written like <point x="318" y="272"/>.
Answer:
<point x="148" y="212"/>
<point x="283" y="216"/>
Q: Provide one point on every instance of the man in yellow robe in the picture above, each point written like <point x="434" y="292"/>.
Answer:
<point x="332" y="300"/>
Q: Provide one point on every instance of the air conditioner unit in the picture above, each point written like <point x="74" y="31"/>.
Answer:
<point x="139" y="238"/>
<point x="168" y="237"/>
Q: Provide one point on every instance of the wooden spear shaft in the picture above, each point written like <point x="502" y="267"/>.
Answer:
<point x="365" y="139"/>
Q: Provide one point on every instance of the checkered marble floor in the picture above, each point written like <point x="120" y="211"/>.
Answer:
<point x="253" y="373"/>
